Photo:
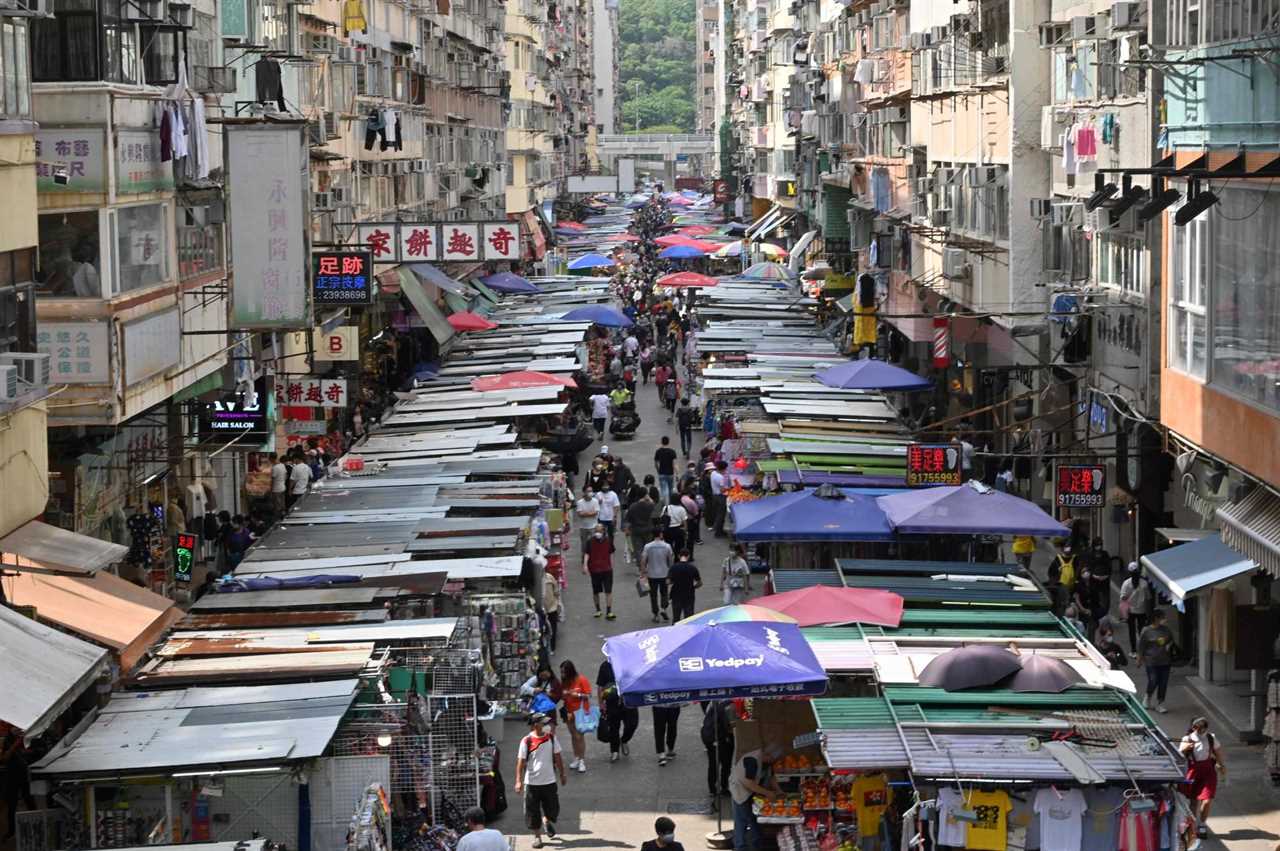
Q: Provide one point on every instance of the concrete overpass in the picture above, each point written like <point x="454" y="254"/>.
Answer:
<point x="670" y="148"/>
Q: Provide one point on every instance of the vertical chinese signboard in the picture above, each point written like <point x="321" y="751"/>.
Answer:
<point x="342" y="277"/>
<point x="267" y="181"/>
<point x="933" y="464"/>
<point x="1080" y="486"/>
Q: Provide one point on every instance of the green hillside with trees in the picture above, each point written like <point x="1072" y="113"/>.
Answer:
<point x="657" y="52"/>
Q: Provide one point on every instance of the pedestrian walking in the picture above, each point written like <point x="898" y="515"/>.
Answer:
<point x="717" y="738"/>
<point x="655" y="565"/>
<point x="599" y="566"/>
<point x="619" y="722"/>
<point x="279" y="484"/>
<point x="551" y="600"/>
<point x="665" y="829"/>
<point x="660" y="377"/>
<point x="610" y="507"/>
<point x="675" y="520"/>
<point x="1136" y="603"/>
<point x="666" y="722"/>
<point x="638" y="524"/>
<point x="719" y="481"/>
<point x="683" y="580"/>
<point x="686" y="418"/>
<point x="646" y="363"/>
<point x="1204" y="763"/>
<point x="1155" y="653"/>
<point x="299" y="479"/>
<point x="1024" y="547"/>
<point x="585" y="513"/>
<point x="735" y="577"/>
<point x="479" y="837"/>
<point x="693" y="511"/>
<point x="599" y="412"/>
<point x="539" y="763"/>
<point x="664" y="460"/>
<point x="577" y="695"/>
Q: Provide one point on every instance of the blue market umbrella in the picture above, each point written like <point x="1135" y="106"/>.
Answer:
<point x="871" y="375"/>
<point x="509" y="282"/>
<point x="687" y="662"/>
<point x="681" y="252"/>
<point x="600" y="314"/>
<point x="825" y="514"/>
<point x="591" y="261"/>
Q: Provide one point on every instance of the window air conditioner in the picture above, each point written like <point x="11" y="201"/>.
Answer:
<point x="955" y="264"/>
<point x="33" y="368"/>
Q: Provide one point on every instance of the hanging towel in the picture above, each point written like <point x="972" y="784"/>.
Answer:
<point x="1068" y="142"/>
<point x="865" y="71"/>
<point x="1109" y="129"/>
<point x="389" y="125"/>
<point x="200" y="134"/>
<point x="1086" y="142"/>
<point x="1079" y="90"/>
<point x="178" y="129"/>
<point x="353" y="17"/>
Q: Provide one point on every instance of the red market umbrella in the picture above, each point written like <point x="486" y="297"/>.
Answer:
<point x="697" y="230"/>
<point x="520" y="379"/>
<point x="687" y="279"/>
<point x="674" y="239"/>
<point x="820" y="605"/>
<point x="467" y="321"/>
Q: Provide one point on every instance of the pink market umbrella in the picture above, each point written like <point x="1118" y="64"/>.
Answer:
<point x="521" y="379"/>
<point x="465" y="320"/>
<point x="687" y="280"/>
<point x="820" y="605"/>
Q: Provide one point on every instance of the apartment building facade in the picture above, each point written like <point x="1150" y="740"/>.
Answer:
<point x="605" y="65"/>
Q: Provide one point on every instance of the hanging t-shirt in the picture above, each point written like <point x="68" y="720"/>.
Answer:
<point x="1101" y="821"/>
<point x="990" y="831"/>
<point x="1061" y="813"/>
<point x="951" y="830"/>
<point x="870" y="794"/>
<point x="1022" y="836"/>
<point x="1137" y="830"/>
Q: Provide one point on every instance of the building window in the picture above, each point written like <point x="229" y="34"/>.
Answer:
<point x="17" y="301"/>
<point x="70" y="255"/>
<point x="15" y="70"/>
<point x="199" y="243"/>
<point x="142" y="247"/>
<point x="1244" y="230"/>
<point x="1188" y="324"/>
<point x="1120" y="263"/>
<point x="65" y="47"/>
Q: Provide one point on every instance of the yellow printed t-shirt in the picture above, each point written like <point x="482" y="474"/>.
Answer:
<point x="990" y="831"/>
<point x="1024" y="544"/>
<point x="870" y="794"/>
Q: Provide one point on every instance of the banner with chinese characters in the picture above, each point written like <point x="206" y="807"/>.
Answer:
<point x="301" y="391"/>
<point x="79" y="352"/>
<point x="416" y="242"/>
<point x="139" y="167"/>
<point x="933" y="464"/>
<point x="268" y="182"/>
<point x="1080" y="486"/>
<point x="342" y="277"/>
<point x="75" y="155"/>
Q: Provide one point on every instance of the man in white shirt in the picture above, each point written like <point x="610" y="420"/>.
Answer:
<point x="599" y="412"/>
<point x="279" y="484"/>
<point x="300" y="480"/>
<point x="586" y="513"/>
<point x="718" y="483"/>
<point x="631" y="345"/>
<point x="479" y="837"/>
<point x="538" y="764"/>
<point x="610" y="505"/>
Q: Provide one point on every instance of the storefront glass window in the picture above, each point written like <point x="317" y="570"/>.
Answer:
<point x="70" y="256"/>
<point x="142" y="247"/>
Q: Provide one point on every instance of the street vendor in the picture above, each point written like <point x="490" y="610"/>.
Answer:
<point x="751" y="774"/>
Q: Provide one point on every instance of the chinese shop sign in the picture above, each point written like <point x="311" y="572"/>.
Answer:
<point x="416" y="242"/>
<point x="138" y="164"/>
<point x="932" y="464"/>
<point x="298" y="391"/>
<point x="76" y="155"/>
<point x="342" y="278"/>
<point x="1080" y="486"/>
<point x="79" y="352"/>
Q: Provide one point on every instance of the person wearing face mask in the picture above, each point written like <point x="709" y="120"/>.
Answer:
<point x="666" y="841"/>
<point x="585" y="511"/>
<point x="599" y="566"/>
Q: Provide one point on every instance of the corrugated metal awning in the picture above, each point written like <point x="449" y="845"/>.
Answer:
<point x="41" y="548"/>
<point x="1252" y="527"/>
<point x="42" y="671"/>
<point x="432" y="315"/>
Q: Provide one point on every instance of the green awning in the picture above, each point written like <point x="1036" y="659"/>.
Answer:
<point x="431" y="314"/>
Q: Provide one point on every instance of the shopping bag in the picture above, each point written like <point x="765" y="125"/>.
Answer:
<point x="542" y="703"/>
<point x="642" y="587"/>
<point x="586" y="719"/>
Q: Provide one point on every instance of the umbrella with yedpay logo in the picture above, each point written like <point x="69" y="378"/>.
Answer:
<point x="687" y="662"/>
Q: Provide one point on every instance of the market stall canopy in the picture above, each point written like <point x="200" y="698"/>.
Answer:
<point x="681" y="252"/>
<point x="684" y="663"/>
<point x="38" y="547"/>
<point x="766" y="271"/>
<point x="521" y="379"/>
<point x="509" y="282"/>
<point x="103" y="608"/>
<point x="773" y="252"/>
<point x="687" y="280"/>
<point x="193" y="729"/>
<point x="467" y="321"/>
<point x="591" y="261"/>
<point x="968" y="509"/>
<point x="824" y="514"/>
<point x="817" y="605"/>
<point x="431" y="275"/>
<point x="969" y="666"/>
<point x="737" y="614"/>
<point x="871" y="375"/>
<point x="42" y="671"/>
<point x="729" y="249"/>
<point x="599" y="314"/>
<point x="1182" y="570"/>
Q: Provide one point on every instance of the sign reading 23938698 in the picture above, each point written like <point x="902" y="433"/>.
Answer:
<point x="342" y="277"/>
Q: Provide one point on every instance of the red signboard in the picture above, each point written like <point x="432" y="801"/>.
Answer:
<point x="720" y="191"/>
<point x="933" y="464"/>
<point x="1080" y="486"/>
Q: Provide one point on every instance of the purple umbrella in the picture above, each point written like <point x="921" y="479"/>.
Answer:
<point x="509" y="282"/>
<point x="871" y="375"/>
<point x="971" y="666"/>
<point x="968" y="509"/>
<point x="1044" y="674"/>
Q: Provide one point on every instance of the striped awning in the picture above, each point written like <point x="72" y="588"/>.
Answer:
<point x="1252" y="527"/>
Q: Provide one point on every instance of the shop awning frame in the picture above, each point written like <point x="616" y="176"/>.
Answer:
<point x="431" y="314"/>
<point x="1251" y="527"/>
<point x="1182" y="570"/>
<point x="37" y="547"/>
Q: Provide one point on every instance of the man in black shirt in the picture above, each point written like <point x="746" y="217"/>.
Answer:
<point x="683" y="580"/>
<point x="666" y="841"/>
<point x="665" y="461"/>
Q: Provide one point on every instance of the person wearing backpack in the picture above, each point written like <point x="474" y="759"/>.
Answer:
<point x="670" y="393"/>
<point x="1204" y="764"/>
<point x="1136" y="603"/>
<point x="686" y="416"/>
<point x="539" y="762"/>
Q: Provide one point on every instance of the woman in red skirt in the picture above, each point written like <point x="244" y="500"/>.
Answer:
<point x="1204" y="764"/>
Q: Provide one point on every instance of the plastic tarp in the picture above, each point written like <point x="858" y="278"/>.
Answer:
<point x="431" y="314"/>
<point x="806" y="516"/>
<point x="968" y="509"/>
<point x="271" y="583"/>
<point x="1182" y="570"/>
<point x="687" y="662"/>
